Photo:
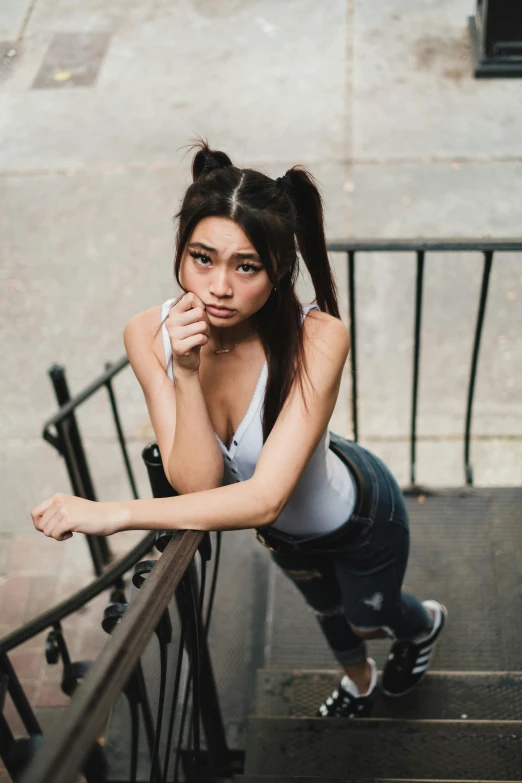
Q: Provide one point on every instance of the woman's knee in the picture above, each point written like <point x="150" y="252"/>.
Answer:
<point x="321" y="593"/>
<point x="370" y="633"/>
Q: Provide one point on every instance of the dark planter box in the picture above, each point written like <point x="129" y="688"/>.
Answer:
<point x="496" y="38"/>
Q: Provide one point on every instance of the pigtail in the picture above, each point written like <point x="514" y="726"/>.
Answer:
<point x="304" y="192"/>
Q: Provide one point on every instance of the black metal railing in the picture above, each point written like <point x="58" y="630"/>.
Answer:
<point x="62" y="432"/>
<point x="173" y="736"/>
<point x="16" y="753"/>
<point x="420" y="248"/>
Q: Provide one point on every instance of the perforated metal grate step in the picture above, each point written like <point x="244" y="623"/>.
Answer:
<point x="299" y="779"/>
<point x="384" y="749"/>
<point x="466" y="551"/>
<point x="437" y="696"/>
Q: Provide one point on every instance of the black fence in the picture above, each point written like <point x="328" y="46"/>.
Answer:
<point x="420" y="249"/>
<point x="172" y="603"/>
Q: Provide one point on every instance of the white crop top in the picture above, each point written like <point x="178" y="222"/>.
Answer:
<point x="325" y="495"/>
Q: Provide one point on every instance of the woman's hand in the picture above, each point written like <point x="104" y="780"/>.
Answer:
<point x="62" y="515"/>
<point x="189" y="328"/>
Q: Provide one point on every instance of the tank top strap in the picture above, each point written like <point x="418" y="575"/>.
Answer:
<point x="305" y="309"/>
<point x="165" y="307"/>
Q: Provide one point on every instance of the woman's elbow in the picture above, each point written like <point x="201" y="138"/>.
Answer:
<point x="185" y="485"/>
<point x="269" y="507"/>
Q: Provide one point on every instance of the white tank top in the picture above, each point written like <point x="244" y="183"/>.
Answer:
<point x="325" y="495"/>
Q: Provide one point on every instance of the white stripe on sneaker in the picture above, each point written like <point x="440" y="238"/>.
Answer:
<point x="419" y="669"/>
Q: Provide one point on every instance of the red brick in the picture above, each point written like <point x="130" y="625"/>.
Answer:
<point x="27" y="662"/>
<point x="33" y="554"/>
<point x="42" y="596"/>
<point x="37" y="642"/>
<point x="14" y="592"/>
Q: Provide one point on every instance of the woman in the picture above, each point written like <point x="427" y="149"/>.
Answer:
<point x="240" y="381"/>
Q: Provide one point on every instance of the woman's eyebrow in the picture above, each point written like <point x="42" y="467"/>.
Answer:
<point x="253" y="256"/>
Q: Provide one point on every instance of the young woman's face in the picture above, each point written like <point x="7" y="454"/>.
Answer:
<point x="221" y="266"/>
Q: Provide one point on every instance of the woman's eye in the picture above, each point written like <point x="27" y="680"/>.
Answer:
<point x="200" y="258"/>
<point x="249" y="268"/>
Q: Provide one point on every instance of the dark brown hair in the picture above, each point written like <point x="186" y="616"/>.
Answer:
<point x="273" y="214"/>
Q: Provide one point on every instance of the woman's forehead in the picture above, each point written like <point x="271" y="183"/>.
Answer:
<point x="221" y="235"/>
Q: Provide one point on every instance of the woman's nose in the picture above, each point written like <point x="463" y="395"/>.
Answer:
<point x="220" y="284"/>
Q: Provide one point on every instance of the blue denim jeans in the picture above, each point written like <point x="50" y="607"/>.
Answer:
<point x="358" y="585"/>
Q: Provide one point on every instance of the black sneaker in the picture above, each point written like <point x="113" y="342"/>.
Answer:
<point x="347" y="702"/>
<point x="409" y="660"/>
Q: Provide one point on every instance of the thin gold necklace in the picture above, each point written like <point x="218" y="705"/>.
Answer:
<point x="227" y="350"/>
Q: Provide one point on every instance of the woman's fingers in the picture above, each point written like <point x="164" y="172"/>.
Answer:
<point x="41" y="518"/>
<point x="188" y="316"/>
<point x="199" y="327"/>
<point x="60" y="531"/>
<point x="37" y="511"/>
<point x="51" y="522"/>
<point x="188" y="327"/>
<point x="187" y="302"/>
<point x="184" y="347"/>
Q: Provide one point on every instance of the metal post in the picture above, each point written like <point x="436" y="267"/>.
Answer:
<point x="76" y="463"/>
<point x="416" y="362"/>
<point x="488" y="263"/>
<point x="353" y="341"/>
<point x="211" y="716"/>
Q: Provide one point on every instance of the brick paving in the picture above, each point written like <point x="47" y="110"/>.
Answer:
<point x="36" y="573"/>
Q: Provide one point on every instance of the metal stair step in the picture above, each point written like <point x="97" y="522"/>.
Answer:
<point x="384" y="749"/>
<point x="439" y="695"/>
<point x="300" y="779"/>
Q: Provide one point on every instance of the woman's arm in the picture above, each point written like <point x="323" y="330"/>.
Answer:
<point x="190" y="453"/>
<point x="195" y="462"/>
<point x="284" y="456"/>
<point x="252" y="503"/>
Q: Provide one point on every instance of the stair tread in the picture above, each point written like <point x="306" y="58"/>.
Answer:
<point x="308" y="779"/>
<point x="441" y="695"/>
<point x="426" y="750"/>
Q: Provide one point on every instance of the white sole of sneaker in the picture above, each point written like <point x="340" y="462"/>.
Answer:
<point x="434" y="645"/>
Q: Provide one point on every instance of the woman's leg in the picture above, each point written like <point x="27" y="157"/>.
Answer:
<point x="371" y="571"/>
<point x="314" y="576"/>
<point x="370" y="576"/>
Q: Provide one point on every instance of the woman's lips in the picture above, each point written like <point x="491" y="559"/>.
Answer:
<point x="220" y="312"/>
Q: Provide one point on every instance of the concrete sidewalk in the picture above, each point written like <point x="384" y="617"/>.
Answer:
<point x="376" y="98"/>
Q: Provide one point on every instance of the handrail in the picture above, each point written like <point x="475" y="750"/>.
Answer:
<point x="427" y="245"/>
<point x="62" y="756"/>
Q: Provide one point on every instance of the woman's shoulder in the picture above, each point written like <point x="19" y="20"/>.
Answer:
<point x="142" y="333"/>
<point x="324" y="330"/>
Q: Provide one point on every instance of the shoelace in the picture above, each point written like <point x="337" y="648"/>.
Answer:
<point x="411" y="655"/>
<point x="342" y="703"/>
